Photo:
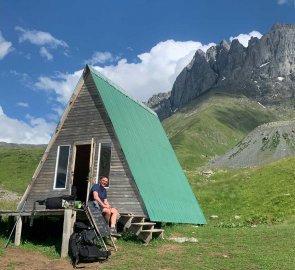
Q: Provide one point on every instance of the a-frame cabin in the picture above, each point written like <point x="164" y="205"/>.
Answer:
<point x="103" y="131"/>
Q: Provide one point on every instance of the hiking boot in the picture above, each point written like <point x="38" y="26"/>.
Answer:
<point x="114" y="232"/>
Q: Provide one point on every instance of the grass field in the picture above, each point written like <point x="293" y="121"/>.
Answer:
<point x="264" y="195"/>
<point x="250" y="212"/>
<point x="17" y="166"/>
<point x="254" y="228"/>
<point x="262" y="247"/>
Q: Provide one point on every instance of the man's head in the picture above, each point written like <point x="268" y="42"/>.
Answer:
<point x="104" y="181"/>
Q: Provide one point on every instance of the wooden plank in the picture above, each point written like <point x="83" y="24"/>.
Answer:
<point x="69" y="220"/>
<point x="84" y="119"/>
<point x="18" y="231"/>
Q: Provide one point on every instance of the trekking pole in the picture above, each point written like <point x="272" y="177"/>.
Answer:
<point x="19" y="216"/>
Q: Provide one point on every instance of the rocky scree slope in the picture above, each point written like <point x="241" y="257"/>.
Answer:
<point x="265" y="144"/>
<point x="264" y="71"/>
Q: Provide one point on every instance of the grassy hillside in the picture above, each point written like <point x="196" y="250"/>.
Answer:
<point x="212" y="125"/>
<point x="246" y="197"/>
<point x="17" y="166"/>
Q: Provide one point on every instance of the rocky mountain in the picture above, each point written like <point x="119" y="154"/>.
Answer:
<point x="265" y="144"/>
<point x="263" y="71"/>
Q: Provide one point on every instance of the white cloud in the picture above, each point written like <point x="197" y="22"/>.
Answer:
<point x="155" y="72"/>
<point x="282" y="2"/>
<point x="23" y="77"/>
<point x="45" y="53"/>
<point x="62" y="85"/>
<point x="39" y="38"/>
<point x="244" y="38"/>
<point x="37" y="131"/>
<point x="23" y="104"/>
<point x="100" y="58"/>
<point x="5" y="46"/>
<point x="43" y="39"/>
<point x="157" y="69"/>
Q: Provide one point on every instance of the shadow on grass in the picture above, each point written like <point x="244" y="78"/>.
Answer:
<point x="241" y="119"/>
<point x="46" y="232"/>
<point x="130" y="237"/>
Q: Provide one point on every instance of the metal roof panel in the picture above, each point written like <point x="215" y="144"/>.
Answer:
<point x="159" y="177"/>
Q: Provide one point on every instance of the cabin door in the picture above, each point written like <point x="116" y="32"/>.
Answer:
<point x="83" y="170"/>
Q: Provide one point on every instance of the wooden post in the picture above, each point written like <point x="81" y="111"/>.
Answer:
<point x="18" y="231"/>
<point x="69" y="220"/>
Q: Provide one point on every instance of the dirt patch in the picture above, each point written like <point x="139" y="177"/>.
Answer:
<point x="220" y="254"/>
<point x="18" y="259"/>
<point x="9" y="196"/>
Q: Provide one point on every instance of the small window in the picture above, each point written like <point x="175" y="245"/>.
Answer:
<point x="104" y="160"/>
<point x="61" y="169"/>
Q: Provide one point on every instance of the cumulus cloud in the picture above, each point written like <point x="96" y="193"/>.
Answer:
<point x="244" y="38"/>
<point x="43" y="39"/>
<point x="22" y="104"/>
<point x="36" y="131"/>
<point x="155" y="71"/>
<point x="39" y="38"/>
<point x="5" y="46"/>
<point x="45" y="53"/>
<point x="62" y="85"/>
<point x="100" y="58"/>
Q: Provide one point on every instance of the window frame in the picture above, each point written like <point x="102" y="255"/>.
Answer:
<point x="98" y="161"/>
<point x="57" y="165"/>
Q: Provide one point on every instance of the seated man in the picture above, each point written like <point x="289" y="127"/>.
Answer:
<point x="98" y="194"/>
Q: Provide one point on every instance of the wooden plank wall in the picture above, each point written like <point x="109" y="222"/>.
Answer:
<point x="88" y="119"/>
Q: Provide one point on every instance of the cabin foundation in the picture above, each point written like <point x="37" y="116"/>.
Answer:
<point x="69" y="220"/>
<point x="69" y="216"/>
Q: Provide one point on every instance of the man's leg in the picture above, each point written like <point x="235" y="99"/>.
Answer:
<point x="107" y="214"/>
<point x="114" y="214"/>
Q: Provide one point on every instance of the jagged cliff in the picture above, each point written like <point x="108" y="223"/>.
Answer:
<point x="264" y="71"/>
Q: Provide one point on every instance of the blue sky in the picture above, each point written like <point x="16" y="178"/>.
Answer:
<point x="140" y="45"/>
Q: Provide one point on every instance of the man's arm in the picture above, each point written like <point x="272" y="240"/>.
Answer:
<point x="103" y="204"/>
<point x="107" y="203"/>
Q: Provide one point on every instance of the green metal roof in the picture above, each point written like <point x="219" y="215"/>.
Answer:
<point x="161" y="182"/>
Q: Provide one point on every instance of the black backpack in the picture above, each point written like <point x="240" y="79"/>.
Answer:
<point x="54" y="203"/>
<point x="83" y="247"/>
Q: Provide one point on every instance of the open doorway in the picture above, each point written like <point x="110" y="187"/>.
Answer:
<point x="81" y="171"/>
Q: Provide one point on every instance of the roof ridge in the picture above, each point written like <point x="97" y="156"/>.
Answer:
<point x="120" y="89"/>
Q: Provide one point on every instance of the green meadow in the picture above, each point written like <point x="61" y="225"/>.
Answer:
<point x="250" y="212"/>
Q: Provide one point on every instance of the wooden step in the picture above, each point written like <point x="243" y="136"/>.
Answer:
<point x="127" y="219"/>
<point x="147" y="235"/>
<point x="145" y="231"/>
<point x="130" y="214"/>
<point x="143" y="223"/>
<point x="140" y="226"/>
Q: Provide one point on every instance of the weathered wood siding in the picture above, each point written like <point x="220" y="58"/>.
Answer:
<point x="88" y="119"/>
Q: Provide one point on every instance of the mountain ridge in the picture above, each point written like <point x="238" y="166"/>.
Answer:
<point x="263" y="71"/>
<point x="20" y="145"/>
